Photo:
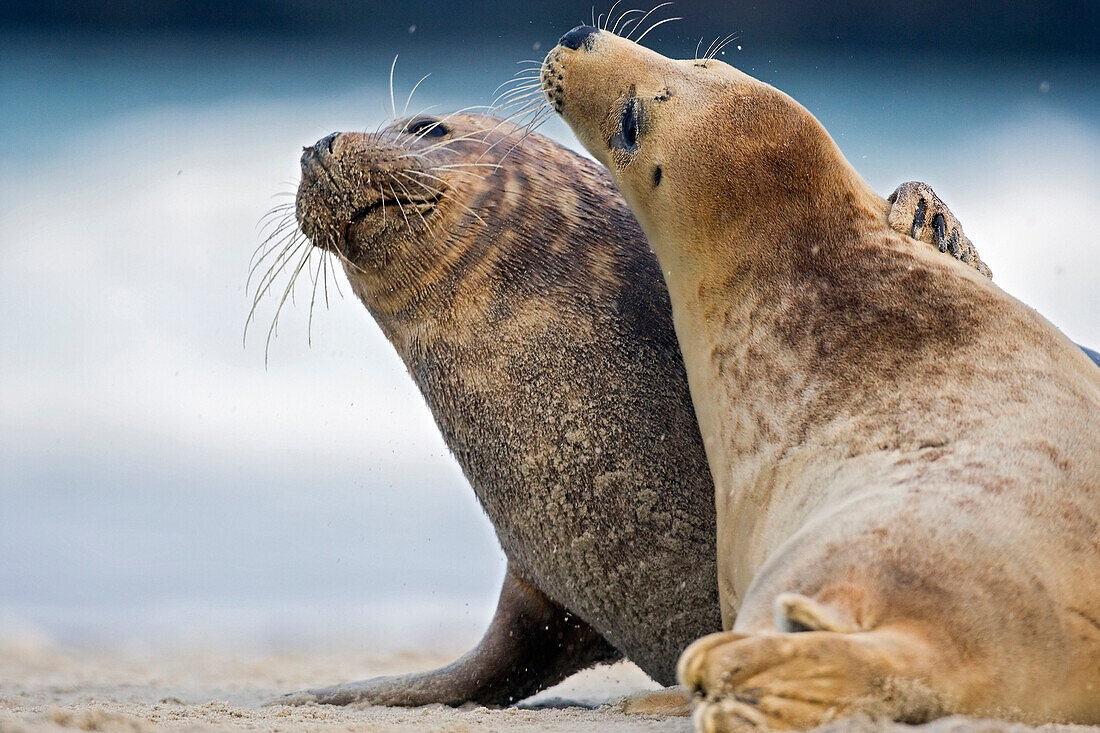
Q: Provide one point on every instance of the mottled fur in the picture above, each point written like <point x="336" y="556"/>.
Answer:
<point x="906" y="459"/>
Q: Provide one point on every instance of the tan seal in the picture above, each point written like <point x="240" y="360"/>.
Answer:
<point x="906" y="459"/>
<point x="518" y="289"/>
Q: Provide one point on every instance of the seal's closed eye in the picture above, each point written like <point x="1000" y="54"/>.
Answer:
<point x="627" y="137"/>
<point x="427" y="127"/>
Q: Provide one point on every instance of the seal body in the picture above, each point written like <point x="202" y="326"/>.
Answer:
<point x="520" y="292"/>
<point x="906" y="459"/>
<point x="522" y="298"/>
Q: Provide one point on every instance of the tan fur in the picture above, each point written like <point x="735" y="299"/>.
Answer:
<point x="906" y="459"/>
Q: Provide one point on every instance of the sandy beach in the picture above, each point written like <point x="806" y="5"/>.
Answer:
<point x="44" y="687"/>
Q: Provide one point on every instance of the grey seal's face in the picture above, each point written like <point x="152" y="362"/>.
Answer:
<point x="686" y="141"/>
<point x="369" y="196"/>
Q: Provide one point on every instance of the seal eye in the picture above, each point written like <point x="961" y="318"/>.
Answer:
<point x="427" y="128"/>
<point x="627" y="137"/>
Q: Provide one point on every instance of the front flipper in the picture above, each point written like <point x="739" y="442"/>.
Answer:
<point x="916" y="211"/>
<point x="671" y="701"/>
<point x="531" y="644"/>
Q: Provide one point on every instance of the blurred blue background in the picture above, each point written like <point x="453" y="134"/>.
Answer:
<point x="158" y="484"/>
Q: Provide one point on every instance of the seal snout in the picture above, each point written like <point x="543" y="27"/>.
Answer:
<point x="582" y="35"/>
<point x="316" y="156"/>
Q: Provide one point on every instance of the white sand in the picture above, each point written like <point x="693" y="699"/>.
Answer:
<point x="47" y="688"/>
<point x="43" y="687"/>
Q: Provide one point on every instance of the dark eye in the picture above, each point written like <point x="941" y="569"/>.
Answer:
<point x="427" y="128"/>
<point x="630" y="124"/>
<point x="627" y="137"/>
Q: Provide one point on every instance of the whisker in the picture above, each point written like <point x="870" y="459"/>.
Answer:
<point x="282" y="301"/>
<point x="313" y="300"/>
<point x="272" y="224"/>
<point x="448" y="194"/>
<point x="518" y="99"/>
<point x="272" y="229"/>
<point x="291" y="240"/>
<point x="293" y="245"/>
<point x="278" y="209"/>
<point x="655" y="25"/>
<point x="416" y="209"/>
<point x="711" y="47"/>
<point x="449" y="166"/>
<point x="400" y="206"/>
<point x="623" y="17"/>
<point x="609" y="12"/>
<point x="405" y="109"/>
<point x="335" y="279"/>
<point x="729" y="39"/>
<point x="266" y="284"/>
<point x="324" y="276"/>
<point x="517" y="77"/>
<point x="518" y="91"/>
<point x="277" y="240"/>
<point x="393" y="104"/>
<point x="523" y="137"/>
<point x="344" y="259"/>
<point x="527" y="77"/>
<point x="457" y="172"/>
<point x="638" y="23"/>
<point x="540" y="116"/>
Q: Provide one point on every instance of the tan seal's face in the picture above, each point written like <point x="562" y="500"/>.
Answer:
<point x="686" y="141"/>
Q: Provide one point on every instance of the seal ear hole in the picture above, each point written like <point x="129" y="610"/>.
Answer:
<point x="427" y="127"/>
<point x="657" y="176"/>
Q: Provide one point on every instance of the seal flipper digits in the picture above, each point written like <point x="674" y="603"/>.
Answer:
<point x="917" y="210"/>
<point x="532" y="643"/>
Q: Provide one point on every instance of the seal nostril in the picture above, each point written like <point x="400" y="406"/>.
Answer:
<point x="325" y="143"/>
<point x="581" y="35"/>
